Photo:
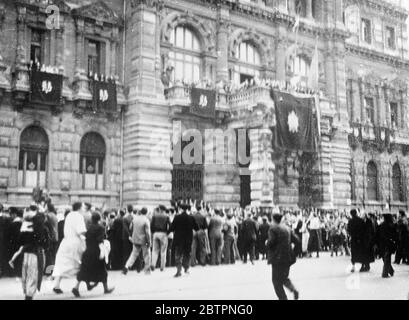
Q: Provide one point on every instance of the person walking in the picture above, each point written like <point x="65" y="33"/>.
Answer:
<point x="315" y="240"/>
<point x="34" y="240"/>
<point x="229" y="236"/>
<point x="199" y="238"/>
<point x="69" y="254"/>
<point x="402" y="252"/>
<point x="368" y="242"/>
<point x="160" y="225"/>
<point x="93" y="268"/>
<point x="183" y="226"/>
<point x="249" y="234"/>
<point x="355" y="230"/>
<point x="387" y="237"/>
<point x="141" y="240"/>
<point x="281" y="256"/>
<point x="216" y="238"/>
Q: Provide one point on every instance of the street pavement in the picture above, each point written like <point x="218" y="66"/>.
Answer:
<point x="324" y="278"/>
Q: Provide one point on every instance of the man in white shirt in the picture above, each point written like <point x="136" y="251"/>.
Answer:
<point x="69" y="254"/>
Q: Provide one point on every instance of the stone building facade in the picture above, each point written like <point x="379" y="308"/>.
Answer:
<point x="155" y="49"/>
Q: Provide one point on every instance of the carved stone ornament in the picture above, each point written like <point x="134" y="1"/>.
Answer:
<point x="98" y="11"/>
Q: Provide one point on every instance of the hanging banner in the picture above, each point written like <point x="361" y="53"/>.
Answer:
<point x="103" y="95"/>
<point x="203" y="102"/>
<point x="295" y="122"/>
<point x="46" y="88"/>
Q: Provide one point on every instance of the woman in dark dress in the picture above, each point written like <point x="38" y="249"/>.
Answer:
<point x="93" y="268"/>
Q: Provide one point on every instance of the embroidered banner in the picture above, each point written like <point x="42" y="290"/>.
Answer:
<point x="203" y="102"/>
<point x="103" y="95"/>
<point x="46" y="88"/>
<point x="295" y="123"/>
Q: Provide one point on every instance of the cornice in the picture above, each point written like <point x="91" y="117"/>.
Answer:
<point x="376" y="55"/>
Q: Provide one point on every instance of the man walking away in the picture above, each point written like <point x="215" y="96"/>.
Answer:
<point x="229" y="235"/>
<point x="141" y="240"/>
<point x="355" y="230"/>
<point x="403" y="237"/>
<point x="281" y="256"/>
<point x="199" y="239"/>
<point x="386" y="239"/>
<point x="249" y="232"/>
<point x="160" y="227"/>
<point x="263" y="236"/>
<point x="216" y="238"/>
<point x="183" y="226"/>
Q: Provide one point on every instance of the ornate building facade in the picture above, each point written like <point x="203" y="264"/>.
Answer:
<point x="89" y="147"/>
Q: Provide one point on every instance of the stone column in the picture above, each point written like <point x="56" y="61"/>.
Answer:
<point x="79" y="44"/>
<point x="59" y="58"/>
<point x="222" y="70"/>
<point x="281" y="47"/>
<point x="362" y="100"/>
<point x="261" y="168"/>
<point x="309" y="9"/>
<point x="21" y="81"/>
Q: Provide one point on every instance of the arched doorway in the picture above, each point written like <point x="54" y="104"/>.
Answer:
<point x="33" y="157"/>
<point x="92" y="161"/>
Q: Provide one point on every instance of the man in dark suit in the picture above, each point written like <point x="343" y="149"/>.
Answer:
<point x="356" y="231"/>
<point x="281" y="256"/>
<point x="183" y="226"/>
<point x="249" y="233"/>
<point x="199" y="238"/>
<point x="386" y="239"/>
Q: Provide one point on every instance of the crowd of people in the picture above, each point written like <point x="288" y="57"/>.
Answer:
<point x="85" y="242"/>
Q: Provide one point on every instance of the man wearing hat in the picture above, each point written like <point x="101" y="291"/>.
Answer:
<point x="281" y="256"/>
<point x="183" y="226"/>
<point x="387" y="238"/>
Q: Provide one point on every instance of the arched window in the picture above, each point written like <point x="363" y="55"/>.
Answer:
<point x="32" y="165"/>
<point x="185" y="56"/>
<point x="92" y="161"/>
<point x="397" y="188"/>
<point x="249" y="62"/>
<point x="372" y="181"/>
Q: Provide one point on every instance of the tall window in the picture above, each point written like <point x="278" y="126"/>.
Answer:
<point x="390" y="37"/>
<point x="394" y="114"/>
<point x="95" y="52"/>
<point x="372" y="181"/>
<point x="32" y="165"/>
<point x="397" y="188"/>
<point x="370" y="110"/>
<point x="92" y="161"/>
<point x="301" y="8"/>
<point x="185" y="56"/>
<point x="366" y="29"/>
<point x="37" y="46"/>
<point x="249" y="62"/>
<point x="300" y="67"/>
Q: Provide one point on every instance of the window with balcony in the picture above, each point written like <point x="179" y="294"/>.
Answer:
<point x="32" y="165"/>
<point x="372" y="181"/>
<point x="394" y="114"/>
<point x="95" y="53"/>
<point x="37" y="46"/>
<point x="390" y="37"/>
<point x="185" y="56"/>
<point x="397" y="183"/>
<point x="92" y="161"/>
<point x="249" y="62"/>
<point x="370" y="110"/>
<point x="366" y="28"/>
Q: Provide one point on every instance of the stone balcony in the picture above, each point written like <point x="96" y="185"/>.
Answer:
<point x="250" y="98"/>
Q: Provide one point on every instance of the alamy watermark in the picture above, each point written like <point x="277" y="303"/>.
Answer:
<point x="209" y="147"/>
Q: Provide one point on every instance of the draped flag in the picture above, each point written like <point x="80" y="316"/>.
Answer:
<point x="295" y="123"/>
<point x="103" y="95"/>
<point x="203" y="102"/>
<point x="46" y="88"/>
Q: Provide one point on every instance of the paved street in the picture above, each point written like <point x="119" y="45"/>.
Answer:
<point x="322" y="279"/>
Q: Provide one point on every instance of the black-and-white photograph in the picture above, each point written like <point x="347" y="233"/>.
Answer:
<point x="206" y="150"/>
